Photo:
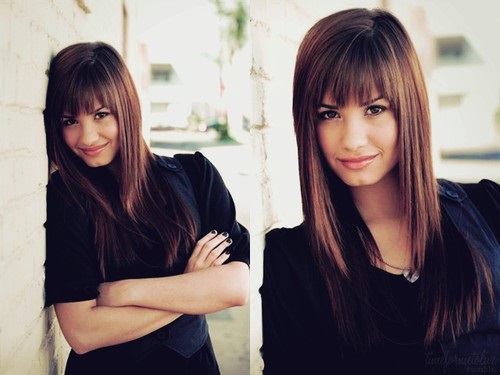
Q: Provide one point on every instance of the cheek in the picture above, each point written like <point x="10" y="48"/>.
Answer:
<point x="112" y="132"/>
<point x="394" y="136"/>
<point x="326" y="139"/>
<point x="391" y="140"/>
<point x="69" y="136"/>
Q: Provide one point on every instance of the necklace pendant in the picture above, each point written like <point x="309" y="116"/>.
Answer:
<point x="411" y="277"/>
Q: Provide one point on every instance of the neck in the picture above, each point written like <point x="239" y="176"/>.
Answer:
<point x="380" y="201"/>
<point x="115" y="166"/>
<point x="379" y="206"/>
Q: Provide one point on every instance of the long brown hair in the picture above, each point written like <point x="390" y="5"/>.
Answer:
<point x="352" y="53"/>
<point x="80" y="75"/>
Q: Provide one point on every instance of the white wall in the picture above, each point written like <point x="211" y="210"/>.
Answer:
<point x="31" y="31"/>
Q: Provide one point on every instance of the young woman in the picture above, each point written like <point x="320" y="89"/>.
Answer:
<point x="391" y="271"/>
<point x="139" y="247"/>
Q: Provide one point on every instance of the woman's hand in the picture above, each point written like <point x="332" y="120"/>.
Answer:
<point x="211" y="250"/>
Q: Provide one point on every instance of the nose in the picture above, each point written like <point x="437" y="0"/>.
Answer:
<point x="89" y="135"/>
<point x="354" y="133"/>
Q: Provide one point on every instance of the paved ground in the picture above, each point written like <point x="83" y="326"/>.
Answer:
<point x="229" y="329"/>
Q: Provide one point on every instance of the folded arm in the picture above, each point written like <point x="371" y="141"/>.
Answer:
<point x="128" y="309"/>
<point x="199" y="292"/>
<point x="87" y="326"/>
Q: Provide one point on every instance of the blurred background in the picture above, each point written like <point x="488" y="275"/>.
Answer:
<point x="214" y="76"/>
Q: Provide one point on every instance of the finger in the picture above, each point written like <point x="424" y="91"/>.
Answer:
<point x="211" y="244"/>
<point x="202" y="242"/>
<point x="222" y="258"/>
<point x="213" y="258"/>
<point x="204" y="248"/>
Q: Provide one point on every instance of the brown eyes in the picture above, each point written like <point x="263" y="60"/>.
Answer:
<point x="69" y="121"/>
<point x="327" y="115"/>
<point x="372" y="110"/>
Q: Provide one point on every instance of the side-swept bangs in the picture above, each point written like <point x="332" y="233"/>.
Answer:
<point x="84" y="88"/>
<point x="78" y="83"/>
<point x="357" y="70"/>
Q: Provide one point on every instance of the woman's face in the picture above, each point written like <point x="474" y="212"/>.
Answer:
<point x="93" y="137"/>
<point x="359" y="140"/>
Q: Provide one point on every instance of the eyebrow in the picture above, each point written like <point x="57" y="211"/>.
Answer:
<point x="334" y="106"/>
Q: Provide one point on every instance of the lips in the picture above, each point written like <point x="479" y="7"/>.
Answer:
<point x="357" y="162"/>
<point x="93" y="151"/>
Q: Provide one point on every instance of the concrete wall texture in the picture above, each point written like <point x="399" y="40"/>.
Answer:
<point x="31" y="31"/>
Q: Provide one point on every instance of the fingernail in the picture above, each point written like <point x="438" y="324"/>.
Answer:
<point x="225" y="234"/>
<point x="229" y="241"/>
<point x="227" y="251"/>
<point x="213" y="231"/>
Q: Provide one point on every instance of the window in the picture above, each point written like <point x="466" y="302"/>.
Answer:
<point x="455" y="50"/>
<point x="163" y="74"/>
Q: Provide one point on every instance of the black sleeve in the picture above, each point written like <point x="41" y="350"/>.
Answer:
<point x="71" y="268"/>
<point x="288" y="305"/>
<point x="486" y="197"/>
<point x="217" y="209"/>
<point x="274" y="335"/>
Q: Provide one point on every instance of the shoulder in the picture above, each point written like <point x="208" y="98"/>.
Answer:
<point x="285" y="235"/>
<point x="485" y="189"/>
<point x="485" y="194"/>
<point x="290" y="272"/>
<point x="63" y="204"/>
<point x="286" y="243"/>
<point x="178" y="160"/>
<point x="200" y="170"/>
<point x="481" y="200"/>
<point x="59" y="192"/>
<point x="55" y="181"/>
<point x="194" y="162"/>
<point x="168" y="163"/>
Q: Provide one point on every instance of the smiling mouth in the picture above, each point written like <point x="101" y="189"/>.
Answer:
<point x="357" y="163"/>
<point x="92" y="151"/>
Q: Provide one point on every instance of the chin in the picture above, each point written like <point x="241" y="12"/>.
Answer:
<point x="359" y="181"/>
<point x="96" y="163"/>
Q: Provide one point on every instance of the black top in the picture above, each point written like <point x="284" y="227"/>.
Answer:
<point x="72" y="269"/>
<point x="299" y="332"/>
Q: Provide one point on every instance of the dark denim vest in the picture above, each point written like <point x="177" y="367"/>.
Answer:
<point x="464" y="355"/>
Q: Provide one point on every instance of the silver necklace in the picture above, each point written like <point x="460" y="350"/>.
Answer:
<point x="407" y="272"/>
